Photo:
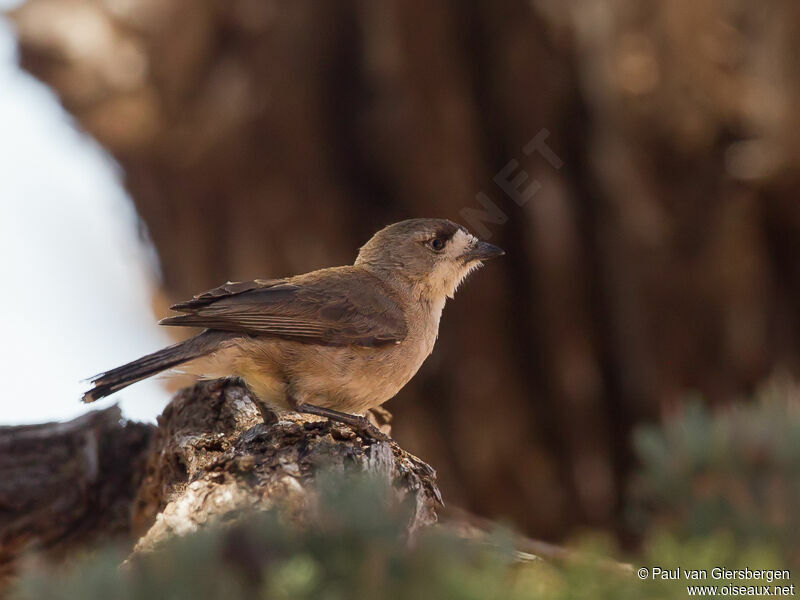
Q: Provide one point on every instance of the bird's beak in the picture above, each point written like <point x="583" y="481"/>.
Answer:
<point x="481" y="250"/>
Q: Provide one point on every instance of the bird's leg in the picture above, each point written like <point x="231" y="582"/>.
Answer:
<point x="357" y="423"/>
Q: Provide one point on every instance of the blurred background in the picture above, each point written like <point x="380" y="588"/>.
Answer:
<point x="639" y="162"/>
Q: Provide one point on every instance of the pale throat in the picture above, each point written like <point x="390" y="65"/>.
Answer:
<point x="441" y="285"/>
<point x="454" y="273"/>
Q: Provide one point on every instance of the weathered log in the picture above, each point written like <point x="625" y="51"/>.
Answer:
<point x="67" y="486"/>
<point x="213" y="457"/>
<point x="64" y="486"/>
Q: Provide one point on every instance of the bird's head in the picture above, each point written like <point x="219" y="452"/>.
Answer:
<point x="434" y="253"/>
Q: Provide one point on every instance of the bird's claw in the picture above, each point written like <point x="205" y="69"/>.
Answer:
<point x="366" y="429"/>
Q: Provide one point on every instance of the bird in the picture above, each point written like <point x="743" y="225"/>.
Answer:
<point x="334" y="342"/>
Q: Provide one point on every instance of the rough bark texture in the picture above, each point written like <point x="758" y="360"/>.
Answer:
<point x="214" y="458"/>
<point x="266" y="138"/>
<point x="66" y="486"/>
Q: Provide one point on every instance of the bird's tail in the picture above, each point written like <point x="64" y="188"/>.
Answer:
<point x="114" y="380"/>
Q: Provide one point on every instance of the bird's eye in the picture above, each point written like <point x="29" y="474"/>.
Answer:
<point x="437" y="244"/>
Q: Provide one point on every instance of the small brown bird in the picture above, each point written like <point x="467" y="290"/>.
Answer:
<point x="334" y="342"/>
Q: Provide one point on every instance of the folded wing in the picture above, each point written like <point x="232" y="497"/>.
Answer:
<point x="338" y="307"/>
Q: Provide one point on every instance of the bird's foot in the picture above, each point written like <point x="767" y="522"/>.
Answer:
<point x="366" y="429"/>
<point x="360" y="425"/>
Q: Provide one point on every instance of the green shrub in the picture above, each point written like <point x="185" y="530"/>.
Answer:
<point x="356" y="550"/>
<point x="725" y="486"/>
<point x="735" y="470"/>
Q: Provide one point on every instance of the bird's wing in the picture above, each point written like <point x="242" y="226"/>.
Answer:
<point x="230" y="288"/>
<point x="335" y="307"/>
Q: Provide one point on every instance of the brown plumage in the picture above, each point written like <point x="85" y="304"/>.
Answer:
<point x="331" y="342"/>
<point x="341" y="306"/>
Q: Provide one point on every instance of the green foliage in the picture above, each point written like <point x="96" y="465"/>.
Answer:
<point x="736" y="470"/>
<point x="583" y="580"/>
<point x="356" y="549"/>
<point x="724" y="485"/>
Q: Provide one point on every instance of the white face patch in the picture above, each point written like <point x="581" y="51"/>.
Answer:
<point x="459" y="243"/>
<point x="451" y="270"/>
